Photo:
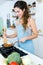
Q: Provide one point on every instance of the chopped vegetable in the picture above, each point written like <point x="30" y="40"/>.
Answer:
<point x="26" y="60"/>
<point x="13" y="63"/>
<point x="14" y="57"/>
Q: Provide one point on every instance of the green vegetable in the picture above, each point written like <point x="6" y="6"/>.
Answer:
<point x="14" y="57"/>
<point x="39" y="64"/>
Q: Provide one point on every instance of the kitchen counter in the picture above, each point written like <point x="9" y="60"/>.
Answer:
<point x="34" y="58"/>
<point x="37" y="60"/>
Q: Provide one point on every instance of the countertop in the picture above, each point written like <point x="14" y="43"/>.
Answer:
<point x="36" y="60"/>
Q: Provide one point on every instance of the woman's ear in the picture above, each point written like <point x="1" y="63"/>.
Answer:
<point x="23" y="10"/>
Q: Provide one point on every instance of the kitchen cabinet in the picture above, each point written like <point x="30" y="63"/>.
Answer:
<point x="1" y="26"/>
<point x="38" y="44"/>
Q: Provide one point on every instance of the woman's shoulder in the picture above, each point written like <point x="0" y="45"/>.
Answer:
<point x="31" y="21"/>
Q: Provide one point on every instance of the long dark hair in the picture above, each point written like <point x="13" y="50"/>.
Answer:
<point x="23" y="5"/>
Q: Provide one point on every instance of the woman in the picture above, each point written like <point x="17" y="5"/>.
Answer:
<point x="26" y="28"/>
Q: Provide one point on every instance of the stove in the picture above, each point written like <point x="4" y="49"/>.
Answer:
<point x="7" y="51"/>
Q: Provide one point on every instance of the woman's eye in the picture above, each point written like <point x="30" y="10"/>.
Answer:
<point x="18" y="11"/>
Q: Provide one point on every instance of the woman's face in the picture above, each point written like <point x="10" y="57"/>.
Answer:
<point x="18" y="12"/>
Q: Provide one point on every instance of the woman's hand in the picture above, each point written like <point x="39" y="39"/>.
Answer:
<point x="23" y="39"/>
<point x="4" y="35"/>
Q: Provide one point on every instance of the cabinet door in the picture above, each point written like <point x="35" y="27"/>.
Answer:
<point x="1" y="26"/>
<point x="38" y="44"/>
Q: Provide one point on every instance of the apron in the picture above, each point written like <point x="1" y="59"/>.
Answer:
<point x="28" y="44"/>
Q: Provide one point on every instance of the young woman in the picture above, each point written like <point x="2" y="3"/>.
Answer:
<point x="26" y="27"/>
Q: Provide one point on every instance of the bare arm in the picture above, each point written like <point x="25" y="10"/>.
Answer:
<point x="34" y="29"/>
<point x="10" y="36"/>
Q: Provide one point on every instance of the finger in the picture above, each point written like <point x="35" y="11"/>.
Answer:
<point x="20" y="40"/>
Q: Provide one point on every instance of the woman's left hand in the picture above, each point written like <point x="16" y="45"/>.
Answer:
<point x="23" y="39"/>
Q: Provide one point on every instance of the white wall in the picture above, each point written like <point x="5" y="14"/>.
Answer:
<point x="29" y="1"/>
<point x="39" y="15"/>
<point x="2" y="1"/>
<point x="7" y="6"/>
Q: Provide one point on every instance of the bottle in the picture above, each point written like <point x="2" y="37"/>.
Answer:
<point x="8" y="21"/>
<point x="13" y="24"/>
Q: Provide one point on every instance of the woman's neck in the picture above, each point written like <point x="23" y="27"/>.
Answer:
<point x="21" y="21"/>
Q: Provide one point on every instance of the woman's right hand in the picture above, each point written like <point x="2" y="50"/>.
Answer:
<point x="4" y="35"/>
<point x="4" y="32"/>
<point x="4" y="38"/>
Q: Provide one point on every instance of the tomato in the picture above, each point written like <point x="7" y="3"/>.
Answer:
<point x="13" y="63"/>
